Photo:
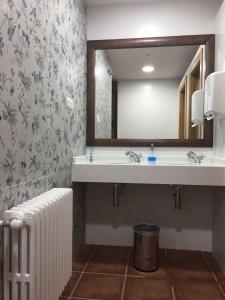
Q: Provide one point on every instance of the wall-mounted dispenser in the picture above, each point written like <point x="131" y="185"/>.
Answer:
<point x="214" y="103"/>
<point x="197" y="114"/>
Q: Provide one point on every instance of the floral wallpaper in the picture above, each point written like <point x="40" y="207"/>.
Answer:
<point x="42" y="62"/>
<point x="103" y="95"/>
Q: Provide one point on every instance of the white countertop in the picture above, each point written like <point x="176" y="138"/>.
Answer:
<point x="167" y="170"/>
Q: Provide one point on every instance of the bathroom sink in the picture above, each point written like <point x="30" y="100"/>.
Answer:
<point x="102" y="159"/>
<point x="175" y="163"/>
<point x="186" y="162"/>
<point x="142" y="163"/>
<point x="112" y="162"/>
<point x="167" y="170"/>
<point x="161" y="161"/>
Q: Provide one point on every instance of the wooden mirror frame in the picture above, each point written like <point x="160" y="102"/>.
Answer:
<point x="207" y="40"/>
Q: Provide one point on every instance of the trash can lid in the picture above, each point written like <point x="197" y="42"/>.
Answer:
<point x="146" y="228"/>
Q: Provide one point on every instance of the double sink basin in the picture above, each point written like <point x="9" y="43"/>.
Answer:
<point x="166" y="170"/>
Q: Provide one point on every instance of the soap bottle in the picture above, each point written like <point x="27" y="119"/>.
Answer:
<point x="152" y="156"/>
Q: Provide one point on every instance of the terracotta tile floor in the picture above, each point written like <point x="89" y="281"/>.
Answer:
<point x="106" y="273"/>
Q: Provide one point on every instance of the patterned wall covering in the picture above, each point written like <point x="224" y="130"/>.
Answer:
<point x="42" y="61"/>
<point x="103" y="95"/>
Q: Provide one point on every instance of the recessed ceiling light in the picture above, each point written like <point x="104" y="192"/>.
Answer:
<point x="148" y="69"/>
<point x="147" y="87"/>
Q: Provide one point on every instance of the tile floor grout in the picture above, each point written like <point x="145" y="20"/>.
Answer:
<point x="109" y="255"/>
<point x="101" y="273"/>
<point x="173" y="292"/>
<point x="121" y="275"/>
<point x="209" y="266"/>
<point x="140" y="276"/>
<point x="125" y="275"/>
<point x="82" y="273"/>
<point x="221" y="290"/>
<point x="171" y="282"/>
<point x="78" y="298"/>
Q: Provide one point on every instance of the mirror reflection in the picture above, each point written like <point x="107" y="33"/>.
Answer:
<point x="149" y="93"/>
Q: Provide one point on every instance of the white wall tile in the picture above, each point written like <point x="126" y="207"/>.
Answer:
<point x="161" y="18"/>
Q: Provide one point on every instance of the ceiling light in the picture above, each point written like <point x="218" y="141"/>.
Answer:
<point x="148" y="69"/>
<point x="147" y="87"/>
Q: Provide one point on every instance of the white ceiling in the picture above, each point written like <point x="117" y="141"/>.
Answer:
<point x="107" y="2"/>
<point x="169" y="62"/>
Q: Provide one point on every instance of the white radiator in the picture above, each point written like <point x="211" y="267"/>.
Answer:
<point x="38" y="247"/>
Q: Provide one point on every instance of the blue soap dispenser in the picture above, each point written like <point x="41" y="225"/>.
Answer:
<point x="152" y="156"/>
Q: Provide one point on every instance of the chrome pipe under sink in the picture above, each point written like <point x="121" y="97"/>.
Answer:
<point x="117" y="191"/>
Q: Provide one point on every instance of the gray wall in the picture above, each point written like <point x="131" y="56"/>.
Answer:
<point x="218" y="240"/>
<point x="190" y="228"/>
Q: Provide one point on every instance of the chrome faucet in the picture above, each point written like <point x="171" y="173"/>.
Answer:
<point x="192" y="156"/>
<point x="134" y="156"/>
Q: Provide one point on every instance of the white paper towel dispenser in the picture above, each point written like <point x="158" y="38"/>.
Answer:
<point x="197" y="112"/>
<point x="214" y="103"/>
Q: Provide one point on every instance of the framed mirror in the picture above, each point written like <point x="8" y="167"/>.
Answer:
<point x="141" y="91"/>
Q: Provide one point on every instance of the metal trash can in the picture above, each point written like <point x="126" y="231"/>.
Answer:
<point x="146" y="247"/>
